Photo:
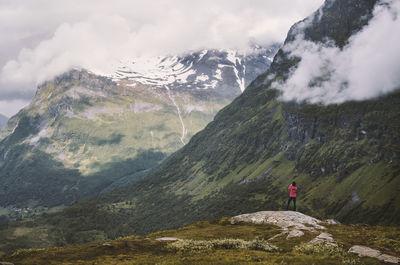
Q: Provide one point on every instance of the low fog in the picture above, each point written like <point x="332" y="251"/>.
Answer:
<point x="367" y="67"/>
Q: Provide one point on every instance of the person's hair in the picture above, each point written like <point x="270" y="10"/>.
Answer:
<point x="294" y="183"/>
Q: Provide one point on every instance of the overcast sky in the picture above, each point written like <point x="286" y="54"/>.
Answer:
<point x="43" y="38"/>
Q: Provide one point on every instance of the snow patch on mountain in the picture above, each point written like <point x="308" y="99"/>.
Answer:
<point x="205" y="69"/>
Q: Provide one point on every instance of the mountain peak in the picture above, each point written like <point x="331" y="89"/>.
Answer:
<point x="201" y="70"/>
<point x="84" y="124"/>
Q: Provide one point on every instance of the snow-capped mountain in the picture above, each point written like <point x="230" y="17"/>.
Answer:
<point x="227" y="72"/>
<point x="86" y="132"/>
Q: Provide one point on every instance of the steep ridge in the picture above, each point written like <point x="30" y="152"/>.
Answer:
<point x="345" y="158"/>
<point x="83" y="133"/>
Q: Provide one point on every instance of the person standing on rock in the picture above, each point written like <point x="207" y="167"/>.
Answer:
<point x="292" y="195"/>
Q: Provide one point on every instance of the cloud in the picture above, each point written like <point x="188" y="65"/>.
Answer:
<point x="10" y="107"/>
<point x="367" y="67"/>
<point x="46" y="37"/>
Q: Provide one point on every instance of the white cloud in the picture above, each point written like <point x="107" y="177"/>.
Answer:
<point x="10" y="107"/>
<point x="47" y="37"/>
<point x="367" y="67"/>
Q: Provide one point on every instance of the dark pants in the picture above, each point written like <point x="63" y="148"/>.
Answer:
<point x="294" y="202"/>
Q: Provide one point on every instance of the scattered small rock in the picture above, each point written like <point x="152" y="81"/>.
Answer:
<point x="295" y="233"/>
<point x="330" y="222"/>
<point x="389" y="259"/>
<point x="363" y="251"/>
<point x="168" y="239"/>
<point x="323" y="238"/>
<point x="279" y="235"/>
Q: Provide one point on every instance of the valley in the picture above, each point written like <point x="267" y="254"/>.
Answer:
<point x="85" y="134"/>
<point x="159" y="146"/>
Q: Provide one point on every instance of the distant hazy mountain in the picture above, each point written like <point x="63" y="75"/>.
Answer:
<point x="84" y="133"/>
<point x="3" y="121"/>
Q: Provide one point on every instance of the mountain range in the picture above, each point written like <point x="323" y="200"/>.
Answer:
<point x="344" y="157"/>
<point x="86" y="133"/>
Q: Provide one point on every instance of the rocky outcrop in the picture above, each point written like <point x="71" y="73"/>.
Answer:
<point x="287" y="220"/>
<point x="168" y="239"/>
<point x="323" y="238"/>
<point x="294" y="233"/>
<point x="293" y="224"/>
<point x="363" y="251"/>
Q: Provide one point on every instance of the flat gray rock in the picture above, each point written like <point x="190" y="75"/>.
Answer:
<point x="168" y="239"/>
<point x="323" y="238"/>
<point x="287" y="220"/>
<point x="363" y="251"/>
<point x="389" y="259"/>
<point x="295" y="233"/>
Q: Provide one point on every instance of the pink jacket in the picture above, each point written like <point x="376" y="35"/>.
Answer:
<point x="293" y="190"/>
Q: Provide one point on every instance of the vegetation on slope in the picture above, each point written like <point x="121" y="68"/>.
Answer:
<point x="84" y="134"/>
<point x="344" y="157"/>
<point x="219" y="242"/>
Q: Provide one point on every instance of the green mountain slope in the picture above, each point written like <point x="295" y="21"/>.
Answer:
<point x="83" y="134"/>
<point x="344" y="157"/>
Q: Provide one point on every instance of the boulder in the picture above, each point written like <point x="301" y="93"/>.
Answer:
<point x="295" y="233"/>
<point x="287" y="220"/>
<point x="323" y="238"/>
<point x="168" y="239"/>
<point x="363" y="251"/>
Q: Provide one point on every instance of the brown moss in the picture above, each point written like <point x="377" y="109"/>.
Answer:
<point x="146" y="250"/>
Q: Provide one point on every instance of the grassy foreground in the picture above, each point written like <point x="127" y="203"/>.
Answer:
<point x="219" y="242"/>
